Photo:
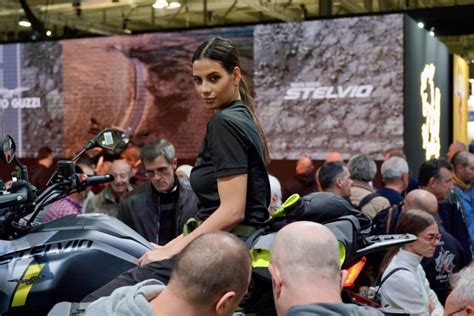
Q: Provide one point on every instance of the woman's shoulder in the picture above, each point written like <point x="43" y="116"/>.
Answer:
<point x="230" y="115"/>
<point x="398" y="268"/>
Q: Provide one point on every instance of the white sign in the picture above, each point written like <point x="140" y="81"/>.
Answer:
<point x="431" y="110"/>
<point x="314" y="90"/>
<point x="11" y="98"/>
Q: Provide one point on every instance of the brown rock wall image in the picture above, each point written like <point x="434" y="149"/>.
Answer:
<point x="141" y="83"/>
<point x="331" y="85"/>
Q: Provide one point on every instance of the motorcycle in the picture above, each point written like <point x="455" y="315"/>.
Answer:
<point x="42" y="264"/>
<point x="352" y="230"/>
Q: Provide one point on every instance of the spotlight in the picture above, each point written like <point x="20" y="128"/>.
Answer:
<point x="49" y="33"/>
<point x="174" y="5"/>
<point x="421" y="25"/>
<point x="431" y="32"/>
<point x="160" y="4"/>
<point x="24" y="23"/>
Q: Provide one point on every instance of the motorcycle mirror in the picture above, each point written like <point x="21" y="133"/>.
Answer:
<point x="8" y="149"/>
<point x="111" y="138"/>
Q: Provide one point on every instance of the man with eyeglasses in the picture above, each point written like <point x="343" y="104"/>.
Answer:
<point x="158" y="209"/>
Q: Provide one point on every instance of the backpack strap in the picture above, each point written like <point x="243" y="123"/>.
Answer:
<point x="387" y="276"/>
<point x="393" y="216"/>
<point x="366" y="200"/>
<point x="389" y="220"/>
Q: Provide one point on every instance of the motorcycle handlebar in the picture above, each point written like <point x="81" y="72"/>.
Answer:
<point x="12" y="199"/>
<point x="21" y="193"/>
<point x="95" y="180"/>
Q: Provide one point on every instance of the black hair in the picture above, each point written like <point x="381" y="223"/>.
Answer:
<point x="432" y="169"/>
<point x="329" y="172"/>
<point x="44" y="152"/>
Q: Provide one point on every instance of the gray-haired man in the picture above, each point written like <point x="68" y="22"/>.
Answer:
<point x="158" y="208"/>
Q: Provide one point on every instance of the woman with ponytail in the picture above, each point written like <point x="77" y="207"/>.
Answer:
<point x="404" y="284"/>
<point x="230" y="177"/>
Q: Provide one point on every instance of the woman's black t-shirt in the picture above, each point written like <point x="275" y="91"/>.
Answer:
<point x="232" y="146"/>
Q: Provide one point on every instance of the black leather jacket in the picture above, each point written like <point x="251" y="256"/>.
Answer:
<point x="139" y="209"/>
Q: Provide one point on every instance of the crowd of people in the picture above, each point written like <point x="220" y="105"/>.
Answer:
<point x="186" y="212"/>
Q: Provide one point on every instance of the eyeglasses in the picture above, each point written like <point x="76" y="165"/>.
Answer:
<point x="432" y="238"/>
<point x="160" y="171"/>
<point x="455" y="312"/>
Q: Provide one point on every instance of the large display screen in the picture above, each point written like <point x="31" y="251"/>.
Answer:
<point x="331" y="85"/>
<point x="319" y="86"/>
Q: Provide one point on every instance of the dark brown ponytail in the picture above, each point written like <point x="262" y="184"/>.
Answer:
<point x="223" y="51"/>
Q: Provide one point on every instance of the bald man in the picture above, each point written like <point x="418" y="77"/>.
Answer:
<point x="333" y="156"/>
<point x="454" y="148"/>
<point x="210" y="277"/>
<point x="461" y="300"/>
<point x="306" y="276"/>
<point x="303" y="182"/>
<point x="107" y="201"/>
<point x="421" y="200"/>
<point x="449" y="256"/>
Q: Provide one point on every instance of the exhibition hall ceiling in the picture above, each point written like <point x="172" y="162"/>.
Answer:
<point x="451" y="20"/>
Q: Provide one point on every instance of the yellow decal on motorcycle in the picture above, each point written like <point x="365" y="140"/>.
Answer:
<point x="342" y="252"/>
<point x="260" y="257"/>
<point x="26" y="283"/>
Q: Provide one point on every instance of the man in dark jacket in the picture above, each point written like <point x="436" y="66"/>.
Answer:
<point x="158" y="209"/>
<point x="303" y="182"/>
<point x="305" y="273"/>
<point x="435" y="176"/>
<point x="41" y="172"/>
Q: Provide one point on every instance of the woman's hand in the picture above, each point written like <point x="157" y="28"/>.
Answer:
<point x="154" y="255"/>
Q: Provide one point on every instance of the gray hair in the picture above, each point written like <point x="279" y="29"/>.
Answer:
<point x="156" y="149"/>
<point x="362" y="168"/>
<point x="463" y="291"/>
<point x="275" y="188"/>
<point x="393" y="169"/>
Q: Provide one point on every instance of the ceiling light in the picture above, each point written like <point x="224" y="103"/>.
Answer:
<point x="174" y="5"/>
<point x="421" y="25"/>
<point x="24" y="23"/>
<point x="160" y="4"/>
<point x="432" y="33"/>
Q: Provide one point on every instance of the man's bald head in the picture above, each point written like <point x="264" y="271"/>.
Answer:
<point x="211" y="265"/>
<point x="120" y="166"/>
<point x="333" y="156"/>
<point x="454" y="148"/>
<point x="463" y="164"/>
<point x="304" y="165"/>
<point x="421" y="200"/>
<point x="297" y="252"/>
